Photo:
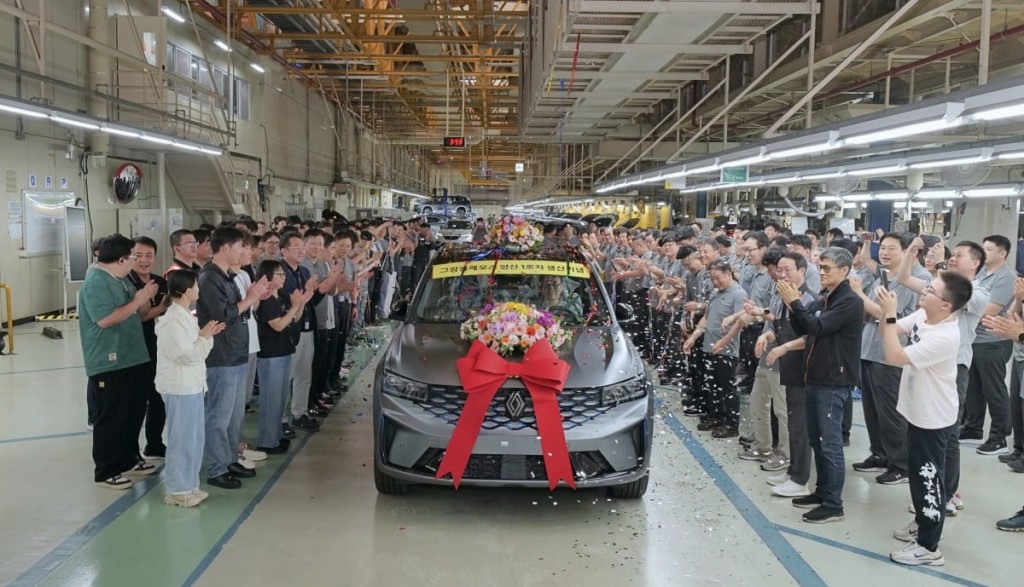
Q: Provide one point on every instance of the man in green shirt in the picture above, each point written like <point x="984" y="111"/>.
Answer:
<point x="115" y="354"/>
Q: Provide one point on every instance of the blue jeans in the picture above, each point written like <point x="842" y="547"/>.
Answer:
<point x="825" y="406"/>
<point x="186" y="432"/>
<point x="273" y="373"/>
<point x="225" y="399"/>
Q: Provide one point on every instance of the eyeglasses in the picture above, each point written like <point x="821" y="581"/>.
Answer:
<point x="275" y="243"/>
<point x="281" y="273"/>
<point x="188" y="243"/>
<point x="823" y="268"/>
<point x="131" y="257"/>
<point x="928" y="289"/>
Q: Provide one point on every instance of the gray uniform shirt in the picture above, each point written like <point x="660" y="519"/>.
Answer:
<point x="906" y="302"/>
<point x="325" y="307"/>
<point x="721" y="305"/>
<point x="968" y="318"/>
<point x="1000" y="290"/>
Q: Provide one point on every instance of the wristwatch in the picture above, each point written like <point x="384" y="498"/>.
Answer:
<point x="766" y="311"/>
<point x="890" y="320"/>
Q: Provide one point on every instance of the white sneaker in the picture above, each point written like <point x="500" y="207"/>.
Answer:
<point x="254" y="455"/>
<point x="791" y="489"/>
<point x="915" y="554"/>
<point x="957" y="500"/>
<point x="183" y="500"/>
<point x="246" y="463"/>
<point x="142" y="468"/>
<point x="778" y="479"/>
<point x="200" y="494"/>
<point x="753" y="454"/>
<point x="117" y="482"/>
<point x="907" y="533"/>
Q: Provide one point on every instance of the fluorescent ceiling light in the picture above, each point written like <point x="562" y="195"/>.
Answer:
<point x="827" y="198"/>
<point x="222" y="45"/>
<point x="937" y="194"/>
<point x="674" y="174"/>
<point x="805" y="150"/>
<point x="849" y="205"/>
<point x="992" y="192"/>
<point x="1011" y="155"/>
<point x="257" y="67"/>
<point x="777" y="180"/>
<point x="157" y="140"/>
<point x="74" y="122"/>
<point x="949" y="162"/>
<point x="703" y="169"/>
<point x="172" y="14"/>
<point x="857" y="197"/>
<point x="22" y="111"/>
<point x="209" y="151"/>
<point x="903" y="131"/>
<point x="121" y="133"/>
<point x="1000" y="112"/>
<point x="919" y="204"/>
<point x="817" y="176"/>
<point x="876" y="170"/>
<point x="891" y="195"/>
<point x="948" y="204"/>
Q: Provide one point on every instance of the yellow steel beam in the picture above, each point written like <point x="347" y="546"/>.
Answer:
<point x="333" y="36"/>
<point x="386" y="13"/>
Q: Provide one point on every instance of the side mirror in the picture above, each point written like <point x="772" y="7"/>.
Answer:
<point x="624" y="313"/>
<point x="399" y="309"/>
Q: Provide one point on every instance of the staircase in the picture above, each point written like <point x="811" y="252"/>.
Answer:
<point x="214" y="187"/>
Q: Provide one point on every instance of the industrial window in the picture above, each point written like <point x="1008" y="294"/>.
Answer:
<point x="241" y="96"/>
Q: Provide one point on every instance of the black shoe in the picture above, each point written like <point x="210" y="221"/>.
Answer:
<point x="1016" y="455"/>
<point x="1014" y="523"/>
<point x="1016" y="466"/>
<point x="316" y="412"/>
<point x="224" y="481"/>
<point x="155" y="452"/>
<point x="872" y="464"/>
<point x="274" y="450"/>
<point x="808" y="502"/>
<point x="326" y="399"/>
<point x="306" y="423"/>
<point x="240" y="472"/>
<point x="823" y="515"/>
<point x="747" y="441"/>
<point x="993" y="447"/>
<point x="846" y="442"/>
<point x="893" y="477"/>
<point x="693" y="411"/>
<point x="725" y="431"/>
<point x="286" y="431"/>
<point x="249" y="409"/>
<point x="965" y="435"/>
<point x="709" y="424"/>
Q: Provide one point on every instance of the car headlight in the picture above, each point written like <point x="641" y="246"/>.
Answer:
<point x="613" y="395"/>
<point x="398" y="386"/>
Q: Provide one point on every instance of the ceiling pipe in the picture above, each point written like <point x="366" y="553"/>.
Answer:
<point x="897" y="71"/>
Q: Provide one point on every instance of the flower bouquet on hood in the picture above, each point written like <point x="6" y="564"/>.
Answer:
<point x="515" y="233"/>
<point x="513" y="327"/>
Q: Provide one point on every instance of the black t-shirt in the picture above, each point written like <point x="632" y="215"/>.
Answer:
<point x="161" y="292"/>
<point x="273" y="343"/>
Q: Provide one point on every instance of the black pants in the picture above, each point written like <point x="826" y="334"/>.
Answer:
<point x="115" y="437"/>
<point x="926" y="450"/>
<point x="90" y="402"/>
<point x="720" y="386"/>
<point x="695" y="368"/>
<point x="344" y="314"/>
<point x="987" y="387"/>
<point x="639" y="330"/>
<point x="1016" y="405"/>
<point x="144" y="386"/>
<point x="799" y="444"/>
<point x="848" y="418"/>
<point x="672" y="358"/>
<point x="323" y="357"/>
<point x="887" y="428"/>
<point x="746" y="365"/>
<point x="156" y="417"/>
<point x="953" y="444"/>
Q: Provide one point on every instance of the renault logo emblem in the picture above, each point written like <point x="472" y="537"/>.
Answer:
<point x="515" y="405"/>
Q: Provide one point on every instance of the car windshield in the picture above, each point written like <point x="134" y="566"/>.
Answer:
<point x="452" y="298"/>
<point x="458" y="225"/>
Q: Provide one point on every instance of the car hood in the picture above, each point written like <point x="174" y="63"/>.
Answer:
<point x="427" y="353"/>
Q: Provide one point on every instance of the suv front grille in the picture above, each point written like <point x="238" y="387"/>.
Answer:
<point x="578" y="406"/>
<point x="585" y="465"/>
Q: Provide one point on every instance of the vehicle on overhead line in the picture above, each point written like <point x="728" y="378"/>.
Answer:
<point x="456" y="206"/>
<point x="606" y="405"/>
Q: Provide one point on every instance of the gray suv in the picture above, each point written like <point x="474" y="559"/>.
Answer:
<point x="607" y="405"/>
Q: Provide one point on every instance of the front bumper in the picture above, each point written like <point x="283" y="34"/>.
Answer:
<point x="611" y="449"/>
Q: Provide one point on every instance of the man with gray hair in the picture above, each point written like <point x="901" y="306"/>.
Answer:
<point x="832" y="326"/>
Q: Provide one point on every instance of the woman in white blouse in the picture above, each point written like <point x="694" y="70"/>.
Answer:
<point x="181" y="350"/>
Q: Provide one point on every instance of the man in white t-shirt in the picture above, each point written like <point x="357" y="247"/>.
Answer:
<point x="928" y="400"/>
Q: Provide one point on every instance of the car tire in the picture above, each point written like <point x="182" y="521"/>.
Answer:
<point x="633" y="490"/>
<point x="427" y="210"/>
<point x="386" y="484"/>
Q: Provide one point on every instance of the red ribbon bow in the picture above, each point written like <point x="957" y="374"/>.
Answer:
<point x="483" y="372"/>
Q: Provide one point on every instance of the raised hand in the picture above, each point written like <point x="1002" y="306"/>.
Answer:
<point x="212" y="328"/>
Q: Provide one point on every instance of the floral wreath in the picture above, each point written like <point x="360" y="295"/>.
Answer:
<point x="510" y="327"/>
<point x="515" y="231"/>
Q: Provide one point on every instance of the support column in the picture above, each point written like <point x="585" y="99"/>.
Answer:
<point x="984" y="42"/>
<point x="99" y="70"/>
<point x="161" y="194"/>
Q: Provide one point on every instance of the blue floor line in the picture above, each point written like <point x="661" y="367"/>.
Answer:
<point x="66" y="549"/>
<point x="248" y="510"/>
<point x="794" y="563"/>
<point x="879" y="557"/>
<point x="44" y="437"/>
<point x="43" y="370"/>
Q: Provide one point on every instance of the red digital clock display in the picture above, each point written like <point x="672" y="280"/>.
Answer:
<point x="455" y="141"/>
